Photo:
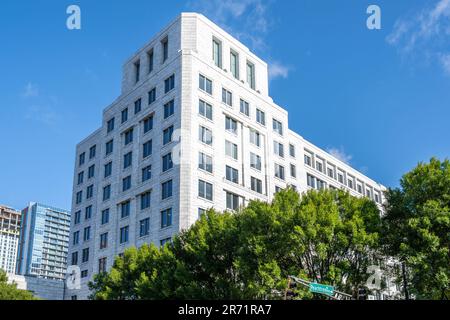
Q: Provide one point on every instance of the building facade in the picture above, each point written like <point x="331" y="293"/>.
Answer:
<point x="47" y="289"/>
<point x="9" y="238"/>
<point x="193" y="128"/>
<point x="44" y="242"/>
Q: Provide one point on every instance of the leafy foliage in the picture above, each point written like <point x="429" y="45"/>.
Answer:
<point x="10" y="291"/>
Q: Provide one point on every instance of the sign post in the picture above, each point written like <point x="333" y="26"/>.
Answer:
<point x="321" y="288"/>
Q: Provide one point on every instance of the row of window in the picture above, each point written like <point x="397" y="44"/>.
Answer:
<point x="151" y="57"/>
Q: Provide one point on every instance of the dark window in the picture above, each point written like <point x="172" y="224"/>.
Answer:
<point x="92" y="152"/>
<point x="126" y="183"/>
<point x="88" y="213"/>
<point x="124" y="115"/>
<point x="167" y="135"/>
<point x="166" y="218"/>
<point x="125" y="208"/>
<point x="110" y="125"/>
<point x="128" y="136"/>
<point x="81" y="159"/>
<point x="169" y="83"/>
<point x="146" y="173"/>
<point x="205" y="190"/>
<point x="147" y="146"/>
<point x="165" y="48"/>
<point x="85" y="255"/>
<point x="145" y="200"/>
<point x="166" y="189"/>
<point x="106" y="192"/>
<point x="105" y="216"/>
<point x="205" y="84"/>
<point x="137" y="106"/>
<point x="169" y="109"/>
<point x="108" y="169"/>
<point x="109" y="147"/>
<point x="124" y="234"/>
<point x="74" y="258"/>
<point x="148" y="124"/>
<point x="152" y="96"/>
<point x="167" y="162"/>
<point x="127" y="159"/>
<point x="144" y="227"/>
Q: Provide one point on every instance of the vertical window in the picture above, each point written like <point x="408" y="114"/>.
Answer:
<point x="227" y="97"/>
<point x="205" y="135"/>
<point x="150" y="57"/>
<point x="101" y="265"/>
<point x="231" y="150"/>
<point x="138" y="106"/>
<point x="230" y="125"/>
<point x="205" y="190"/>
<point x="217" y="53"/>
<point x="125" y="208"/>
<point x="87" y="233"/>
<point x="166" y="218"/>
<point x="108" y="169"/>
<point x="167" y="162"/>
<point x="279" y="171"/>
<point x="148" y="124"/>
<point x="151" y="96"/>
<point x="92" y="152"/>
<point x="232" y="174"/>
<point x="167" y="135"/>
<point x="234" y="64"/>
<point x="124" y="115"/>
<point x="169" y="109"/>
<point x="126" y="184"/>
<point x="76" y="237"/>
<point x="251" y="75"/>
<point x="74" y="258"/>
<point x="90" y="191"/>
<point x="277" y="127"/>
<point x="260" y="117"/>
<point x="124" y="234"/>
<point x="105" y="216"/>
<point x="292" y="150"/>
<point x="146" y="200"/>
<point x="232" y="201"/>
<point x="256" y="185"/>
<point x="80" y="177"/>
<point x="147" y="148"/>
<point x="245" y="108"/>
<point x="307" y="159"/>
<point x="144" y="227"/>
<point x="255" y="161"/>
<point x="146" y="173"/>
<point x="88" y="213"/>
<point x="127" y="159"/>
<point x="79" y="197"/>
<point x="205" y="162"/>
<point x="169" y="83"/>
<point x="165" y="49"/>
<point x="110" y="125"/>
<point x="109" y="147"/>
<point x="205" y="84"/>
<point x="128" y="136"/>
<point x="311" y="181"/>
<point x="85" y="255"/>
<point x="293" y="171"/>
<point x="137" y="70"/>
<point x="81" y="159"/>
<point x="205" y="109"/>
<point x="107" y="192"/>
<point x="278" y="149"/>
<point x="166" y="189"/>
<point x="91" y="171"/>
<point x="255" y="137"/>
<point x="77" y="217"/>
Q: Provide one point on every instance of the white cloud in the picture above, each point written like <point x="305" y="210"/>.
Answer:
<point x="278" y="70"/>
<point x="340" y="154"/>
<point x="31" y="90"/>
<point x="445" y="62"/>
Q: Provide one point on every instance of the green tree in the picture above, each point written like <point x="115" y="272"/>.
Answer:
<point x="10" y="291"/>
<point x="416" y="228"/>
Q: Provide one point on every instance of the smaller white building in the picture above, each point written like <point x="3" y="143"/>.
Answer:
<point x="46" y="289"/>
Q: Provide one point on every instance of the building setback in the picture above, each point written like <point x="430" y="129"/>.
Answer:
<point x="44" y="240"/>
<point x="193" y="128"/>
<point x="9" y="238"/>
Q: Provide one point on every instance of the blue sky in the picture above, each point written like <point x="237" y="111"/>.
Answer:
<point x="379" y="99"/>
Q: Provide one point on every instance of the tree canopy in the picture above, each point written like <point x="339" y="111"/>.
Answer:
<point x="10" y="291"/>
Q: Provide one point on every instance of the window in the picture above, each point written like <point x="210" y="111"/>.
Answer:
<point x="107" y="192"/>
<point x="167" y="135"/>
<point x="126" y="184"/>
<point x="245" y="108"/>
<point x="150" y="57"/>
<point x="148" y="124"/>
<point x="205" y="84"/>
<point x="292" y="150"/>
<point x="102" y="265"/>
<point x="217" y="53"/>
<point x="205" y="109"/>
<point x="76" y="237"/>
<point x="87" y="233"/>
<point x="293" y="171"/>
<point x="90" y="191"/>
<point x="205" y="162"/>
<point x="231" y="150"/>
<point x="230" y="125"/>
<point x="205" y="135"/>
<point x="279" y="171"/>
<point x="108" y="169"/>
<point x="232" y="201"/>
<point x="360" y="188"/>
<point x="201" y="212"/>
<point x="368" y="193"/>
<point x="124" y="115"/>
<point x="128" y="136"/>
<point x="256" y="185"/>
<point x="125" y="208"/>
<point x="261" y="117"/>
<point x="232" y="174"/>
<point x="350" y="182"/>
<point x="144" y="227"/>
<point x="251" y="75"/>
<point x="79" y="197"/>
<point x="341" y="177"/>
<point x="320" y="184"/>
<point x="330" y="172"/>
<point x="255" y="161"/>
<point x="105" y="216"/>
<point x="166" y="218"/>
<point x="127" y="159"/>
<point x="278" y="149"/>
<point x="146" y="200"/>
<point x="165" y="49"/>
<point x="167" y="162"/>
<point x="137" y="106"/>
<point x="80" y="177"/>
<point x="74" y="258"/>
<point x="137" y="70"/>
<point x="169" y="109"/>
<point x="84" y="273"/>
<point x="169" y="83"/>
<point x="227" y="97"/>
<point x="124" y="234"/>
<point x="165" y="241"/>
<point x="92" y="152"/>
<point x="234" y="64"/>
<point x="147" y="149"/>
<point x="311" y="181"/>
<point x="166" y="190"/>
<point x="205" y="190"/>
<point x="377" y="197"/>
<point x="319" y="165"/>
<point x="91" y="171"/>
<point x="81" y="159"/>
<point x="88" y="212"/>
<point x="277" y="127"/>
<point x="110" y="125"/>
<point x="77" y="217"/>
<point x="151" y="96"/>
<point x="307" y="159"/>
<point x="109" y="147"/>
<point x="85" y="255"/>
<point x="146" y="173"/>
<point x="255" y="137"/>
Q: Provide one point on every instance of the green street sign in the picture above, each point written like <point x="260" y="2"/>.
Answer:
<point x="321" y="288"/>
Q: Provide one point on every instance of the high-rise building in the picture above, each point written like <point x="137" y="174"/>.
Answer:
<point x="9" y="238"/>
<point x="194" y="127"/>
<point x="44" y="241"/>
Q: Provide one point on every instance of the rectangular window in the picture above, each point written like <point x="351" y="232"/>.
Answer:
<point x="75" y="258"/>
<point x="127" y="160"/>
<point x="205" y="162"/>
<point x="150" y="57"/>
<point x="105" y="216"/>
<point x="128" y="136"/>
<point x="146" y="173"/>
<point x="245" y="107"/>
<point x="227" y="97"/>
<point x="279" y="171"/>
<point x="277" y="127"/>
<point x="92" y="152"/>
<point x="251" y="75"/>
<point x="311" y="181"/>
<point x="108" y="169"/>
<point x="205" y="84"/>
<point x="166" y="218"/>
<point x="126" y="184"/>
<point x="256" y="185"/>
<point x="205" y="135"/>
<point x="292" y="150"/>
<point x="165" y="49"/>
<point x="293" y="171"/>
<point x="124" y="234"/>
<point x="81" y="159"/>
<point x="137" y="106"/>
<point x="307" y="159"/>
<point x="205" y="190"/>
<point x="125" y="209"/>
<point x="255" y="161"/>
<point x="144" y="227"/>
<point x="148" y="124"/>
<point x="77" y="217"/>
<point x="331" y="172"/>
<point x="319" y="165"/>
<point x="231" y="150"/>
<point x="89" y="191"/>
<point x="101" y="265"/>
<point x="124" y="115"/>
<point x="166" y="190"/>
<point x="88" y="212"/>
<point x="91" y="171"/>
<point x="152" y="96"/>
<point x="205" y="109"/>
<point x="110" y="125"/>
<point x="232" y="174"/>
<point x="76" y="237"/>
<point x="146" y="200"/>
<point x="234" y="64"/>
<point x="137" y="71"/>
<point x="84" y="273"/>
<point x="169" y="109"/>
<point x="167" y="135"/>
<point x="109" y="147"/>
<point x="85" y="255"/>
<point x="278" y="149"/>
<point x="87" y="233"/>
<point x="167" y="162"/>
<point x="147" y="149"/>
<point x="230" y="125"/>
<point x="79" y="197"/>
<point x="261" y="117"/>
<point x="217" y="53"/>
<point x="255" y="137"/>
<point x="107" y="192"/>
<point x="169" y="83"/>
<point x="232" y="201"/>
<point x="80" y="177"/>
